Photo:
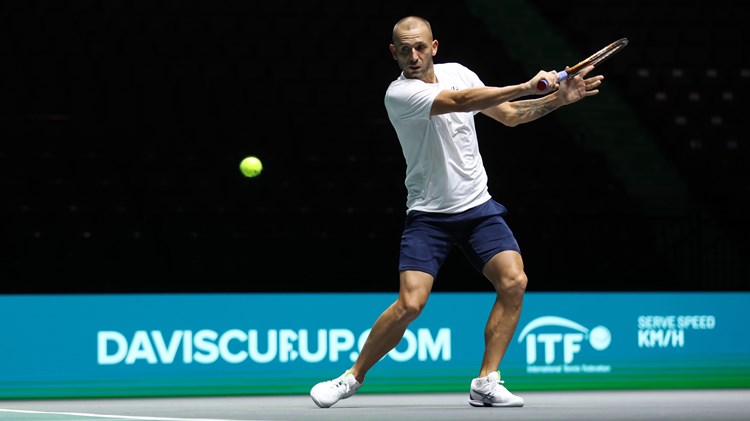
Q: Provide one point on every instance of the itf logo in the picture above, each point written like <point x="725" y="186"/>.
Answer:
<point x="552" y="335"/>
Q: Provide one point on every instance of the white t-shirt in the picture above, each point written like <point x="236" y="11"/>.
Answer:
<point x="444" y="170"/>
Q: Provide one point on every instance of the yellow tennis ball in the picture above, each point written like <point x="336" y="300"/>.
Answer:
<point x="251" y="166"/>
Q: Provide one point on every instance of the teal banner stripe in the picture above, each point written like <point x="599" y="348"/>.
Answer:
<point x="140" y="345"/>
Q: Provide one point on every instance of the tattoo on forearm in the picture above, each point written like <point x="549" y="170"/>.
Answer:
<point x="529" y="110"/>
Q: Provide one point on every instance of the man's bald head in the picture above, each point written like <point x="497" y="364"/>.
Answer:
<point x="410" y="23"/>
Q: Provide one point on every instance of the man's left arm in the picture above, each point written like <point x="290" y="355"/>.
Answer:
<point x="513" y="113"/>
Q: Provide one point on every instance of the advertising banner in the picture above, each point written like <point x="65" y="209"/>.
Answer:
<point x="128" y="345"/>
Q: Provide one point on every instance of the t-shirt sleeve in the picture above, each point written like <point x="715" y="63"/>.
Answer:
<point x="410" y="99"/>
<point x="468" y="77"/>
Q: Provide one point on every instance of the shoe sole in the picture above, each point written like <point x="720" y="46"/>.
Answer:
<point x="480" y="404"/>
<point x="320" y="405"/>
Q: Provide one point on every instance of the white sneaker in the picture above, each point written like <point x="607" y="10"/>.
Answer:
<point x="327" y="393"/>
<point x="489" y="391"/>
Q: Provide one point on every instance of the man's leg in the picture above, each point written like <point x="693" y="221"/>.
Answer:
<point x="505" y="272"/>
<point x="385" y="334"/>
<point x="389" y="328"/>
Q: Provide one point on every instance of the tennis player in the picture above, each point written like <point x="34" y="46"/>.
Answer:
<point x="432" y="107"/>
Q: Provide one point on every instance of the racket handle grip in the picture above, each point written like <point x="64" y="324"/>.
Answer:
<point x="542" y="85"/>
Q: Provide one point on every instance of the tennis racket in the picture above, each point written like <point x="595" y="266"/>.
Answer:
<point x="595" y="59"/>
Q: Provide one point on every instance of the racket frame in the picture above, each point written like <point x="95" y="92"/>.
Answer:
<point x="594" y="59"/>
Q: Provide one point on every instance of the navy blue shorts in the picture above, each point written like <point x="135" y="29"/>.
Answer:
<point x="480" y="233"/>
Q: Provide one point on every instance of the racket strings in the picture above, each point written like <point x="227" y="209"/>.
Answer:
<point x="605" y="56"/>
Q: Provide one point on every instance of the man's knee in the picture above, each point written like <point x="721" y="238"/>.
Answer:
<point x="413" y="293"/>
<point x="411" y="306"/>
<point x="505" y="272"/>
<point x="514" y="283"/>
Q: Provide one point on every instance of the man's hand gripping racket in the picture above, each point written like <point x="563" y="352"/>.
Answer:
<point x="593" y="60"/>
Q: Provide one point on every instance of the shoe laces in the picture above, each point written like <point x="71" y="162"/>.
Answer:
<point x="500" y="382"/>
<point x="500" y="378"/>
<point x="341" y="382"/>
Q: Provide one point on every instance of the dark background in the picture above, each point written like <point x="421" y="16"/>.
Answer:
<point x="123" y="124"/>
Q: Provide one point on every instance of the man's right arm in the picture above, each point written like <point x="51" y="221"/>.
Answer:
<point x="482" y="98"/>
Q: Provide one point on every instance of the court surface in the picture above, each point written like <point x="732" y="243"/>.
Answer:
<point x="675" y="405"/>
